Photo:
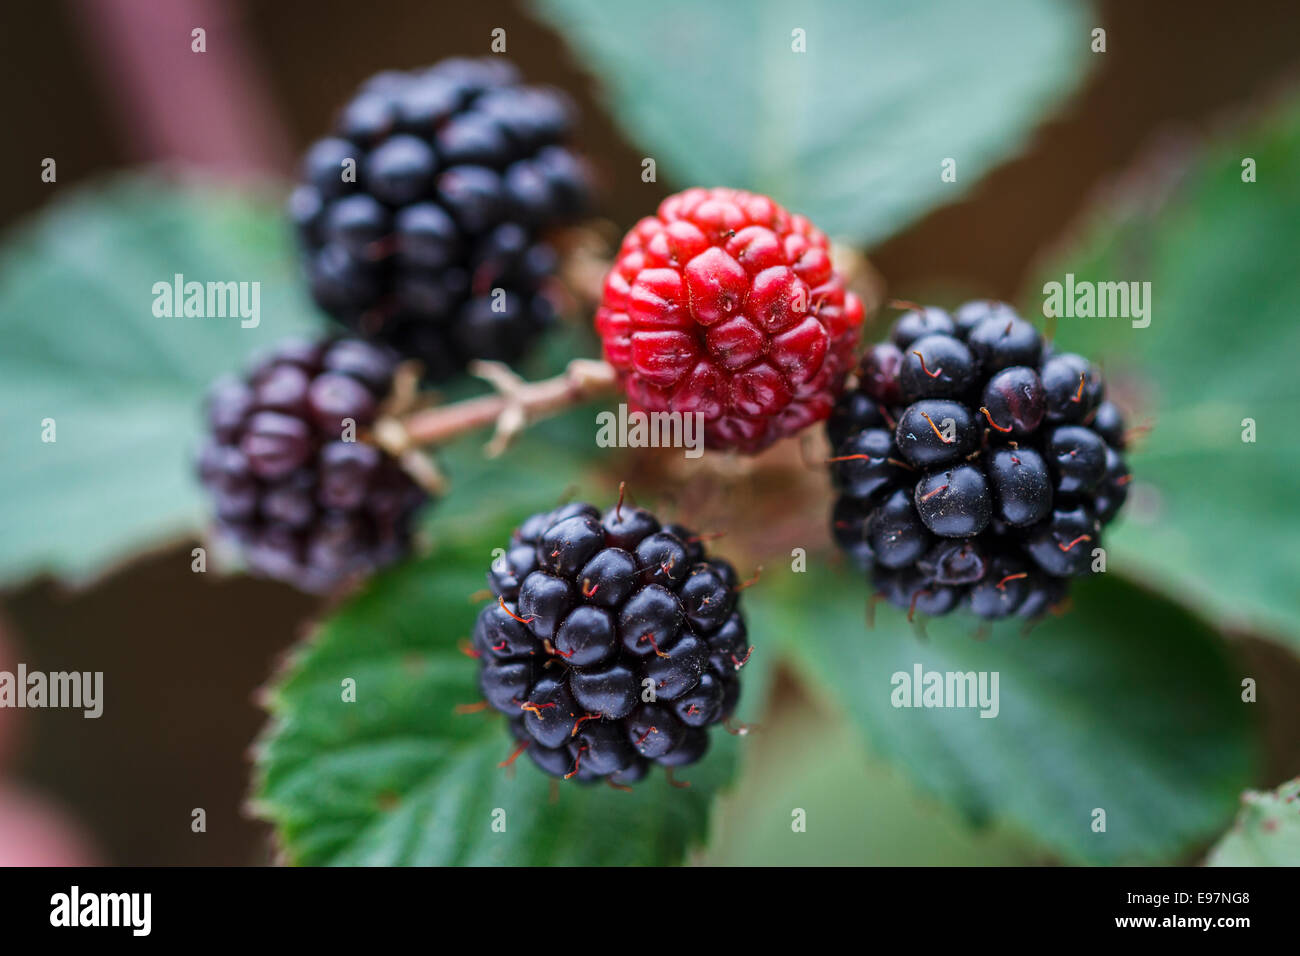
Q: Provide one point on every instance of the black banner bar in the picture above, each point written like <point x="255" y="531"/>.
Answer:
<point x="301" y="905"/>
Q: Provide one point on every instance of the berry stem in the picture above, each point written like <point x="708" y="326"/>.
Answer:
<point x="515" y="404"/>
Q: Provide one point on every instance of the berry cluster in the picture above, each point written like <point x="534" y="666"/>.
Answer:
<point x="726" y="305"/>
<point x="433" y="244"/>
<point x="975" y="466"/>
<point x="613" y="642"/>
<point x="305" y="505"/>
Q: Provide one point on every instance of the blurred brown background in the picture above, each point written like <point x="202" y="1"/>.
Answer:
<point x="102" y="84"/>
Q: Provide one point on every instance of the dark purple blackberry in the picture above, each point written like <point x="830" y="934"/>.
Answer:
<point x="613" y="642"/>
<point x="975" y="468"/>
<point x="423" y="216"/>
<point x="292" y="486"/>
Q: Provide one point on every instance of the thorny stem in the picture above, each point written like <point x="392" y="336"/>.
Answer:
<point x="514" y="406"/>
<point x="403" y="429"/>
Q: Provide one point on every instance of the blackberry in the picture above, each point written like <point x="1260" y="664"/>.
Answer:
<point x="612" y="643"/>
<point x="436" y="245"/>
<point x="974" y="467"/>
<point x="305" y="502"/>
<point x="726" y="305"/>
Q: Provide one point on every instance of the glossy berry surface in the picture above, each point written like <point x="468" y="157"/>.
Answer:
<point x="292" y="488"/>
<point x="612" y="642"/>
<point x="423" y="215"/>
<point x="724" y="304"/>
<point x="975" y="469"/>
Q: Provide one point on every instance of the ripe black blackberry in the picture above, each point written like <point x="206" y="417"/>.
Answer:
<point x="975" y="467"/>
<point x="305" y="502"/>
<point x="432" y="242"/>
<point x="613" y="642"/>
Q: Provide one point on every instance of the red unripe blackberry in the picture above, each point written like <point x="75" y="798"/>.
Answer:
<point x="723" y="303"/>
<point x="612" y="642"/>
<point x="292" y="487"/>
<point x="975" y="468"/>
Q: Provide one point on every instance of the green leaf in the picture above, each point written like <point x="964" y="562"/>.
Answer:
<point x="399" y="777"/>
<point x="1220" y="525"/>
<point x="857" y="810"/>
<point x="850" y="133"/>
<point x="1267" y="831"/>
<point x="1126" y="703"/>
<point x="82" y="347"/>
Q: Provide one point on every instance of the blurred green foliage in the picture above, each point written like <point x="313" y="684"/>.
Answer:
<point x="1126" y="703"/>
<point x="853" y="131"/>
<point x="83" y="347"/>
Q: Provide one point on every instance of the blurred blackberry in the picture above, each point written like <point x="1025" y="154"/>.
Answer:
<point x="433" y="241"/>
<point x="614" y="642"/>
<point x="975" y="468"/>
<point x="305" y="502"/>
